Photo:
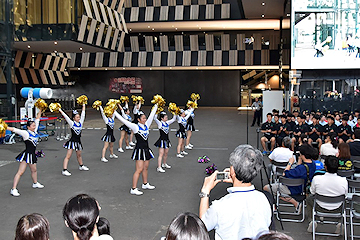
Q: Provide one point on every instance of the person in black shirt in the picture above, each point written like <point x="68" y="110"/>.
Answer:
<point x="266" y="128"/>
<point x="331" y="125"/>
<point x="344" y="130"/>
<point x="282" y="130"/>
<point x="301" y="128"/>
<point x="314" y="131"/>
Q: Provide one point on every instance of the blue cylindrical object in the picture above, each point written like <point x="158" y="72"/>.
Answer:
<point x="25" y="91"/>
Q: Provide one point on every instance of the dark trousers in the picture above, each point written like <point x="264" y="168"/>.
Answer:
<point x="257" y="116"/>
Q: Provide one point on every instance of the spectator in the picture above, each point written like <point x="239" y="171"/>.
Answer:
<point x="315" y="131"/>
<point x="266" y="128"/>
<point x="32" y="227"/>
<point x="244" y="212"/>
<point x="344" y="130"/>
<point x="187" y="226"/>
<point x="282" y="132"/>
<point x="81" y="214"/>
<point x="355" y="145"/>
<point x="103" y="226"/>
<point x="305" y="170"/>
<point x="345" y="162"/>
<point x="331" y="125"/>
<point x="299" y="129"/>
<point x="320" y="185"/>
<point x="282" y="154"/>
<point x="330" y="147"/>
<point x="256" y="107"/>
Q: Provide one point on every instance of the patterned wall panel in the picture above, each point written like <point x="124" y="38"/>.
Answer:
<point x="41" y="69"/>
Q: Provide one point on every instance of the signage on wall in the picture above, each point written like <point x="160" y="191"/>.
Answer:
<point x="126" y="85"/>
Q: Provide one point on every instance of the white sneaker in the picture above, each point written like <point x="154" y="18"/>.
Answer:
<point x="188" y="147"/>
<point x="179" y="155"/>
<point x="136" y="192"/>
<point x="310" y="229"/>
<point x="147" y="186"/>
<point x="14" y="192"/>
<point x="83" y="168"/>
<point x="129" y="147"/>
<point x="184" y="153"/>
<point x="159" y="169"/>
<point x="113" y="156"/>
<point x="104" y="160"/>
<point x="120" y="150"/>
<point x="132" y="144"/>
<point x="165" y="165"/>
<point x="37" y="185"/>
<point x="66" y="173"/>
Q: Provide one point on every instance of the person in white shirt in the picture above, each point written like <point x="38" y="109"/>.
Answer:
<point x="282" y="154"/>
<point x="244" y="212"/>
<point x="330" y="147"/>
<point x="320" y="185"/>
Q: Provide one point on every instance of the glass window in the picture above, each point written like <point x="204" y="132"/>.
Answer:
<point x="19" y="12"/>
<point x="49" y="11"/>
<point x="64" y="11"/>
<point x="34" y="11"/>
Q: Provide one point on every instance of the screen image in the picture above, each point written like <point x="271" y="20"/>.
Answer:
<point x="325" y="34"/>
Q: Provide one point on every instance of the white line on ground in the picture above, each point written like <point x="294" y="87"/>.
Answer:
<point x="220" y="149"/>
<point x="89" y="128"/>
<point x="97" y="128"/>
<point x="3" y="163"/>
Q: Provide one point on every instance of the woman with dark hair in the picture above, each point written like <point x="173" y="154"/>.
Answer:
<point x="124" y="130"/>
<point x="28" y="156"/>
<point x="103" y="226"/>
<point x="187" y="226"/>
<point x="76" y="126"/>
<point x="330" y="147"/>
<point x="32" y="227"/>
<point x="181" y="134"/>
<point x="81" y="214"/>
<point x="142" y="153"/>
<point x="163" y="143"/>
<point x="345" y="162"/>
<point x="108" y="138"/>
<point x="136" y="112"/>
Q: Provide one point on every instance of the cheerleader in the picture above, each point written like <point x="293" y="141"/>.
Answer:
<point x="189" y="128"/>
<point x="181" y="134"/>
<point x="108" y="138"/>
<point x="136" y="112"/>
<point x="142" y="153"/>
<point x="76" y="126"/>
<point x="124" y="130"/>
<point x="28" y="156"/>
<point x="163" y="143"/>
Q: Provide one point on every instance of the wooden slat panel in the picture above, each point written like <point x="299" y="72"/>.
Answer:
<point x="18" y="57"/>
<point x="164" y="12"/>
<point x="142" y="3"/>
<point x="210" y="11"/>
<point x="194" y="42"/>
<point x="121" y="43"/>
<point x="111" y="17"/>
<point x="103" y="13"/>
<point x="120" y="7"/>
<point x="240" y="41"/>
<point x="85" y="59"/>
<point x="171" y="58"/>
<point x="157" y="3"/>
<point x="43" y="77"/>
<point x="202" y="2"/>
<point x="56" y="64"/>
<point x="149" y="14"/>
<point x="127" y="3"/>
<point x="127" y="59"/>
<point x="99" y="58"/>
<point x="172" y="2"/>
<point x="249" y="57"/>
<point x="28" y="60"/>
<point x="108" y="35"/>
<point x="194" y="12"/>
<point x="156" y="59"/>
<point x="52" y="77"/>
<point x="115" y="39"/>
<point x="90" y="38"/>
<point x="164" y="43"/>
<point x="23" y="76"/>
<point x="187" y="2"/>
<point x="265" y="57"/>
<point x="149" y="43"/>
<point x="225" y="42"/>
<point x="233" y="59"/>
<point x="142" y="59"/>
<point x="47" y="62"/>
<point x="225" y="11"/>
<point x="34" y="77"/>
<point x="96" y="10"/>
<point x="118" y="21"/>
<point x="217" y="61"/>
<point x="100" y="34"/>
<point x="87" y="8"/>
<point x="134" y="15"/>
<point x="134" y="43"/>
<point x="202" y="58"/>
<point x="257" y="41"/>
<point x="38" y="60"/>
<point x="186" y="61"/>
<point x="63" y="64"/>
<point x="179" y="12"/>
<point x="113" y="59"/>
<point x="82" y="28"/>
<point x="209" y="42"/>
<point x="179" y="43"/>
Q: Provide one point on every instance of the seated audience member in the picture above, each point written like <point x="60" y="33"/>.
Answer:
<point x="357" y="125"/>
<point x="337" y="120"/>
<point x="344" y="130"/>
<point x="32" y="227"/>
<point x="329" y="184"/>
<point x="187" y="226"/>
<point x="331" y="125"/>
<point x="282" y="154"/>
<point x="275" y="236"/>
<point x="345" y="162"/>
<point x="103" y="226"/>
<point x="315" y="131"/>
<point x="304" y="168"/>
<point x="266" y="128"/>
<point x="355" y="145"/>
<point x="299" y="129"/>
<point x="244" y="212"/>
<point x="282" y="132"/>
<point x="330" y="147"/>
<point x="81" y="214"/>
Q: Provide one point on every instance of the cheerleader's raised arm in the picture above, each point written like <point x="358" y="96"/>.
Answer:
<point x="132" y="126"/>
<point x="151" y="116"/>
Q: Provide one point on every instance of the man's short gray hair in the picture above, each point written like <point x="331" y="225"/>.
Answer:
<point x="287" y="142"/>
<point x="246" y="161"/>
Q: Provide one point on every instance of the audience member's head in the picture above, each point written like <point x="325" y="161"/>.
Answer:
<point x="81" y="214"/>
<point x="307" y="151"/>
<point x="286" y="142"/>
<point x="333" y="139"/>
<point x="275" y="236"/>
<point x="344" y="151"/>
<point x="357" y="133"/>
<point x="103" y="226"/>
<point x="32" y="227"/>
<point x="331" y="164"/>
<point x="246" y="162"/>
<point x="187" y="226"/>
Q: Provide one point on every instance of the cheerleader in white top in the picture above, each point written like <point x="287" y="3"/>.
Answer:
<point x="189" y="128"/>
<point x="76" y="126"/>
<point x="108" y="138"/>
<point x="124" y="130"/>
<point x="181" y="134"/>
<point x="142" y="153"/>
<point x="28" y="156"/>
<point x="163" y="143"/>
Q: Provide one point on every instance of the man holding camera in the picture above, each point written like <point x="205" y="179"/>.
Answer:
<point x="244" y="212"/>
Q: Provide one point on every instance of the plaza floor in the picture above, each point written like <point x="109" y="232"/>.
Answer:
<point x="144" y="217"/>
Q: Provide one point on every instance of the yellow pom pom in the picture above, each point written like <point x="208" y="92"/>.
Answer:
<point x="41" y="104"/>
<point x="195" y="96"/>
<point x="54" y="107"/>
<point x="159" y="100"/>
<point x="124" y="99"/>
<point x="113" y="103"/>
<point x="82" y="100"/>
<point x="96" y="105"/>
<point x="109" y="110"/>
<point x="191" y="104"/>
<point x="174" y="109"/>
<point x="3" y="127"/>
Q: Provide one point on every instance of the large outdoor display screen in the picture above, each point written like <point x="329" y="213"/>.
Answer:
<point x="325" y="34"/>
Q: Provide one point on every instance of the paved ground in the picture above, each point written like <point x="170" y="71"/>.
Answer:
<point x="131" y="217"/>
